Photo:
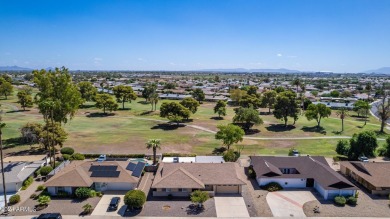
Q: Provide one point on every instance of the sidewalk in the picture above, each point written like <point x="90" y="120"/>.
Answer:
<point x="25" y="194"/>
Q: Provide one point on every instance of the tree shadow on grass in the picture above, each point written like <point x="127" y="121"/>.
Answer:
<point x="320" y="129"/>
<point x="86" y="106"/>
<point x="94" y="115"/>
<point x="251" y="131"/>
<point x="216" y="118"/>
<point x="13" y="142"/>
<point x="167" y="126"/>
<point x="265" y="113"/>
<point x="146" y="113"/>
<point x="219" y="151"/>
<point x="143" y="102"/>
<point x="337" y="132"/>
<point x="124" y="109"/>
<point x="279" y="128"/>
<point x="17" y="111"/>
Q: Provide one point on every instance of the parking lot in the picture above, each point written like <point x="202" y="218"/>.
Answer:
<point x="102" y="206"/>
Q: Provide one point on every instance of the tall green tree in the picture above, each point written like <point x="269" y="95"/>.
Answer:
<point x="342" y="113"/>
<point x="220" y="108"/>
<point x="124" y="94"/>
<point x="148" y="91"/>
<point x="237" y="94"/>
<point x="106" y="101"/>
<point x="190" y="103"/>
<point x="296" y="82"/>
<point x="229" y="134"/>
<point x="198" y="94"/>
<point x="269" y="99"/>
<point x="6" y="88"/>
<point x="87" y="90"/>
<point x="247" y="117"/>
<point x="57" y="86"/>
<point x="199" y="197"/>
<point x="286" y="105"/>
<point x="317" y="112"/>
<point x="363" y="144"/>
<point x="362" y="108"/>
<point x="154" y="144"/>
<point x="383" y="107"/>
<point x="250" y="101"/>
<point x="154" y="98"/>
<point x="252" y="90"/>
<point x="174" y="111"/>
<point x="2" y="126"/>
<point x="25" y="99"/>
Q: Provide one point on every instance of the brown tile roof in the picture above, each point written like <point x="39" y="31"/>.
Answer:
<point x="196" y="175"/>
<point x="314" y="167"/>
<point x="77" y="174"/>
<point x="377" y="174"/>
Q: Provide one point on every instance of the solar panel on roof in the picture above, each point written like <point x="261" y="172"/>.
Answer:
<point x="138" y="169"/>
<point x="131" y="166"/>
<point x="105" y="173"/>
<point x="103" y="168"/>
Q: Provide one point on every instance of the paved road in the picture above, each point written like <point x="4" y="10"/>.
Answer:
<point x="375" y="112"/>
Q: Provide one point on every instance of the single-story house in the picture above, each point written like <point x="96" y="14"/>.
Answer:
<point x="302" y="172"/>
<point x="373" y="176"/>
<point x="16" y="173"/>
<point x="180" y="179"/>
<point x="101" y="176"/>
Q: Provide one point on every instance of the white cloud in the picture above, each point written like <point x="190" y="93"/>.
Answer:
<point x="279" y="55"/>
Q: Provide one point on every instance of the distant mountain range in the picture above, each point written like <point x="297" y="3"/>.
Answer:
<point x="384" y="70"/>
<point x="14" y="68"/>
<point x="279" y="70"/>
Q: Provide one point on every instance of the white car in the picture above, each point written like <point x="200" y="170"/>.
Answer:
<point x="363" y="159"/>
<point x="102" y="158"/>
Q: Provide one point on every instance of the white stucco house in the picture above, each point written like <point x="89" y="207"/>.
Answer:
<point x="100" y="176"/>
<point x="302" y="172"/>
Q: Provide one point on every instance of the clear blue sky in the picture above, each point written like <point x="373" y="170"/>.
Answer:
<point x="328" y="35"/>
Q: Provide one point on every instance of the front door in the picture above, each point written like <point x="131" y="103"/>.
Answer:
<point x="310" y="182"/>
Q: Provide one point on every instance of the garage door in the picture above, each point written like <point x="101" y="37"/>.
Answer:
<point x="227" y="189"/>
<point x="119" y="186"/>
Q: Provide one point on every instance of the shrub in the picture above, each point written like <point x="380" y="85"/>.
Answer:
<point x="83" y="192"/>
<point x="44" y="200"/>
<point x="27" y="182"/>
<point x="272" y="187"/>
<point x="62" y="194"/>
<point x="92" y="194"/>
<point x="67" y="157"/>
<point x="33" y="196"/>
<point x="351" y="200"/>
<point x="199" y="197"/>
<point x="44" y="171"/>
<point x="78" y="156"/>
<point x="340" y="200"/>
<point x="41" y="188"/>
<point x="99" y="194"/>
<point x="87" y="208"/>
<point x="135" y="198"/>
<point x="291" y="152"/>
<point x="14" y="199"/>
<point x="251" y="173"/>
<point x="67" y="150"/>
<point x="230" y="156"/>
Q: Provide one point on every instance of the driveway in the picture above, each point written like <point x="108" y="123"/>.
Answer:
<point x="289" y="203"/>
<point x="233" y="207"/>
<point x="102" y="206"/>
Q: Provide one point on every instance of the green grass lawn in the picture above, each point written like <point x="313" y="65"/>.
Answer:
<point x="118" y="134"/>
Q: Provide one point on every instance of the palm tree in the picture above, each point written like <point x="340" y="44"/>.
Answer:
<point x="342" y="113"/>
<point x="296" y="82"/>
<point x="2" y="125"/>
<point x="154" y="144"/>
<point x="87" y="208"/>
<point x="303" y="91"/>
<point x="154" y="100"/>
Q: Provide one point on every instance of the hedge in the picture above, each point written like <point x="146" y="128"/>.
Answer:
<point x="77" y="156"/>
<point x="84" y="192"/>
<point x="14" y="199"/>
<point x="27" y="182"/>
<point x="93" y="156"/>
<point x="272" y="187"/>
<point x="45" y="170"/>
<point x="178" y="155"/>
<point x="340" y="200"/>
<point x="67" y="150"/>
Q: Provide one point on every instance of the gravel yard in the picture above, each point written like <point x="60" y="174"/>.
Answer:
<point x="63" y="206"/>
<point x="177" y="207"/>
<point x="366" y="207"/>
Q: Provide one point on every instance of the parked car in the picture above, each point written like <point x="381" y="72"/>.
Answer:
<point x="50" y="216"/>
<point x="114" y="204"/>
<point x="363" y="159"/>
<point x="102" y="158"/>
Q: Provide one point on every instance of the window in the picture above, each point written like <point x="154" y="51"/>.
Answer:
<point x="183" y="190"/>
<point x="168" y="190"/>
<point x="60" y="189"/>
